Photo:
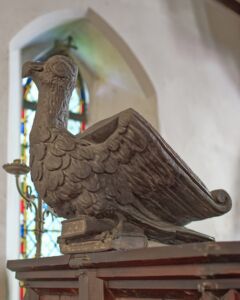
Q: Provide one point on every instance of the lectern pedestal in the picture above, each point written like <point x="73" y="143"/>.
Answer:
<point x="190" y="271"/>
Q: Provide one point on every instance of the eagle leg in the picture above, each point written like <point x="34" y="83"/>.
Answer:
<point x="122" y="229"/>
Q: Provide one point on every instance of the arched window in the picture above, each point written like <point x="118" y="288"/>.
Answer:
<point x="77" y="123"/>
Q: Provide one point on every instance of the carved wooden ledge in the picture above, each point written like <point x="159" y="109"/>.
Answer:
<point x="194" y="271"/>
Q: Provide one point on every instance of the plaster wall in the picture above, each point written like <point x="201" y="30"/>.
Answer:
<point x="103" y="106"/>
<point x="190" y="50"/>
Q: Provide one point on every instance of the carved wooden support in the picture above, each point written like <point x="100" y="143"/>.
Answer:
<point x="230" y="295"/>
<point x="90" y="286"/>
<point x="206" y="271"/>
<point x="31" y="295"/>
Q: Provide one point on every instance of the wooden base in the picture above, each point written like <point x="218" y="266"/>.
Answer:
<point x="120" y="243"/>
<point x="87" y="234"/>
<point x="206" y="271"/>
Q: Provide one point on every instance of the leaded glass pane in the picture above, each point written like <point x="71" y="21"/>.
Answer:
<point x="74" y="104"/>
<point x="30" y="90"/>
<point x="74" y="126"/>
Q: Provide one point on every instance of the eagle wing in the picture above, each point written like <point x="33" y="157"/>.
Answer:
<point x="123" y="164"/>
<point x="148" y="174"/>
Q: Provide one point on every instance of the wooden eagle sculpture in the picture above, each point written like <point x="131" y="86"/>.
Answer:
<point x="120" y="169"/>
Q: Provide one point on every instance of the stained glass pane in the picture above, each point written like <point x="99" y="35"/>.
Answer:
<point x="30" y="90"/>
<point x="74" y="126"/>
<point x="74" y="104"/>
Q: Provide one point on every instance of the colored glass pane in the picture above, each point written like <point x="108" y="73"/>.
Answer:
<point x="74" y="126"/>
<point x="74" y="104"/>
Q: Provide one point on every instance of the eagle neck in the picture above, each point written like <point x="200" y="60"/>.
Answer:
<point x="52" y="112"/>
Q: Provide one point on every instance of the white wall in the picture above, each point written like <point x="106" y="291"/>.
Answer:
<point x="190" y="49"/>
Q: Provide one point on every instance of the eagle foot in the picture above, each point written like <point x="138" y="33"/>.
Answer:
<point x="123" y="230"/>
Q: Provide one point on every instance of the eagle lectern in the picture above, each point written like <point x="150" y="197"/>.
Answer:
<point x="118" y="185"/>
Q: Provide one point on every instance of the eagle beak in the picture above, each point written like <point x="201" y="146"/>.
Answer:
<point x="30" y="68"/>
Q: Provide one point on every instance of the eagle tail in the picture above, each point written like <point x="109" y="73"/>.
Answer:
<point x="165" y="232"/>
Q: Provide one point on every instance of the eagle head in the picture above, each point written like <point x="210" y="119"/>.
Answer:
<point x="58" y="71"/>
<point x="55" y="80"/>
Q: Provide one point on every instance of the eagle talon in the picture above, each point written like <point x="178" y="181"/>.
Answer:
<point x="116" y="231"/>
<point x="122" y="228"/>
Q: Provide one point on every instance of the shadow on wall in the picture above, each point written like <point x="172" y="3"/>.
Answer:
<point x="220" y="28"/>
<point x="206" y="35"/>
<point x="223" y="38"/>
